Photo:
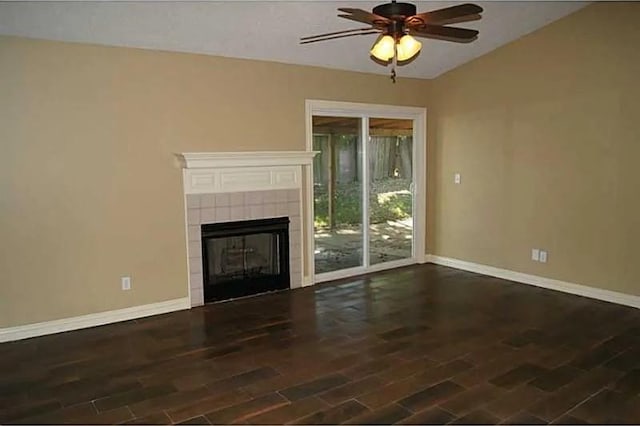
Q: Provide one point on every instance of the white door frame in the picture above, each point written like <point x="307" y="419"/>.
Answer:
<point x="364" y="111"/>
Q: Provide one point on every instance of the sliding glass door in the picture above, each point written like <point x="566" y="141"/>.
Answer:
<point x="363" y="194"/>
<point x="337" y="183"/>
<point x="390" y="198"/>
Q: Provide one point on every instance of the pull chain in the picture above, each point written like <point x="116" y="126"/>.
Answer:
<point x="395" y="62"/>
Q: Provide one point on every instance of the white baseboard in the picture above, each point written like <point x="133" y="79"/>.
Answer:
<point x="92" y="320"/>
<point x="563" y="286"/>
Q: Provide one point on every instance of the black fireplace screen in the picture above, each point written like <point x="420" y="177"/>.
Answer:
<point x="245" y="257"/>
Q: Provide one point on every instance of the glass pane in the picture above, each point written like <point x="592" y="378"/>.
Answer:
<point x="390" y="189"/>
<point x="250" y="256"/>
<point x="337" y="193"/>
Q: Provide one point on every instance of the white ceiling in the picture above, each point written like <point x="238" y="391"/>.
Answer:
<point x="267" y="30"/>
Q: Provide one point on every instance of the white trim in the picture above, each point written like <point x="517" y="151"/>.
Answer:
<point x="420" y="187"/>
<point x="91" y="320"/>
<point x="538" y="281"/>
<point x="308" y="239"/>
<point x="309" y="247"/>
<point x="339" y="274"/>
<point x="362" y="270"/>
<point x="365" y="196"/>
<point x="207" y="160"/>
<point x="347" y="109"/>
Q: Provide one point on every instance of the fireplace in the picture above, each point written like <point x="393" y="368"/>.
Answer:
<point x="225" y="192"/>
<point x="244" y="258"/>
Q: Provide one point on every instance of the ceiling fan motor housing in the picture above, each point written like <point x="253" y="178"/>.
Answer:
<point x="395" y="11"/>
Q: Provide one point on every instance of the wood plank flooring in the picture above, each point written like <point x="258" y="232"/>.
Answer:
<point x="419" y="345"/>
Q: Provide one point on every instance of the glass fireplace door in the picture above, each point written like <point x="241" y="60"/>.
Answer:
<point x="244" y="258"/>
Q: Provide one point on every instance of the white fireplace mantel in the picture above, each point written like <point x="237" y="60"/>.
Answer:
<point x="225" y="172"/>
<point x="234" y="186"/>
<point x="203" y="160"/>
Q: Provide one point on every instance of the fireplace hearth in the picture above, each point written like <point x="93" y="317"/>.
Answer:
<point x="244" y="258"/>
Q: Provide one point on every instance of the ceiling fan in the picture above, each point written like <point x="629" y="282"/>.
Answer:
<point x="398" y="23"/>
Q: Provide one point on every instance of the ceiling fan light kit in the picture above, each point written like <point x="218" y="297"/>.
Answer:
<point x="408" y="47"/>
<point x="383" y="49"/>
<point x="397" y="25"/>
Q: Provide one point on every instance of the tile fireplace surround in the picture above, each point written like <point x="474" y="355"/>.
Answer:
<point x="227" y="187"/>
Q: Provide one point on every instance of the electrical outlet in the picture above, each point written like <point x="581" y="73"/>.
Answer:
<point x="456" y="178"/>
<point x="543" y="256"/>
<point x="126" y="283"/>
<point x="535" y="255"/>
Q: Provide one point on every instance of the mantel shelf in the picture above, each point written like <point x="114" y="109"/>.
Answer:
<point x="216" y="160"/>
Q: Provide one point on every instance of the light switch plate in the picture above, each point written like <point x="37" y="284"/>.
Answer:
<point x="456" y="178"/>
<point x="126" y="283"/>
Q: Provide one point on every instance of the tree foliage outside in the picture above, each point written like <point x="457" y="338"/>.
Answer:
<point x="389" y="200"/>
<point x="390" y="168"/>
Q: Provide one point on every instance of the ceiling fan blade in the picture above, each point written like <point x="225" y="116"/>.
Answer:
<point x="339" y="36"/>
<point x="360" y="15"/>
<point x="417" y="23"/>
<point x="448" y="15"/>
<point x="460" y="35"/>
<point x="377" y="25"/>
<point x="356" y="30"/>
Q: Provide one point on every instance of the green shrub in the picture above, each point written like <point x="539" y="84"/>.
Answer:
<point x="389" y="199"/>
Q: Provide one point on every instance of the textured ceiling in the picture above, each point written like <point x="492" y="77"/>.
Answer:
<point x="267" y="30"/>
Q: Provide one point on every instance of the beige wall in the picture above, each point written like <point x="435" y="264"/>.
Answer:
<point x="88" y="186"/>
<point x="546" y="134"/>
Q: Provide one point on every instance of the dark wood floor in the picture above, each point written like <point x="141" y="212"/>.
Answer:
<point x="424" y="344"/>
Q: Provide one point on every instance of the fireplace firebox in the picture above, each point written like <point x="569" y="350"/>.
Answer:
<point x="244" y="258"/>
